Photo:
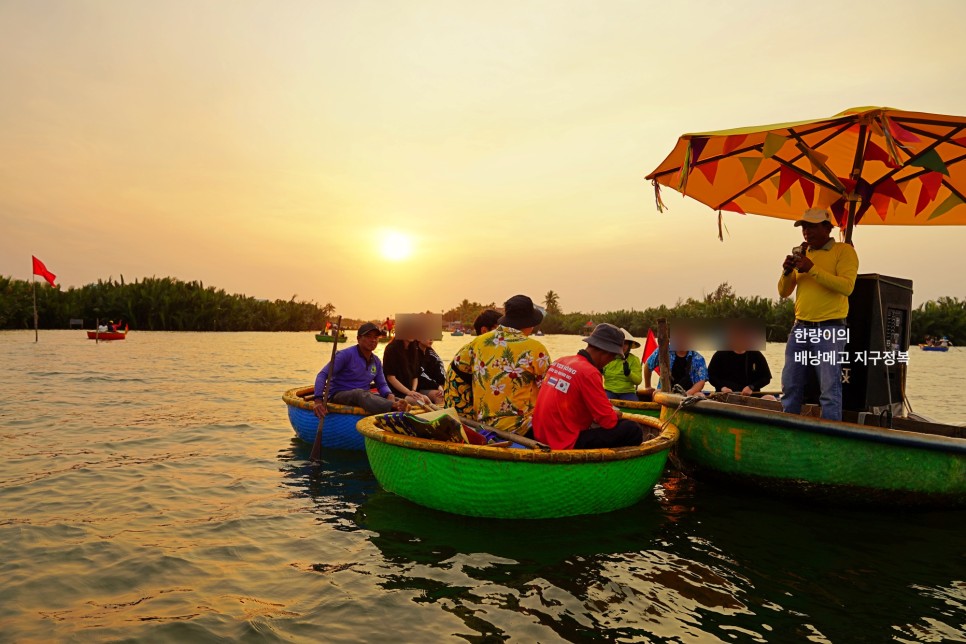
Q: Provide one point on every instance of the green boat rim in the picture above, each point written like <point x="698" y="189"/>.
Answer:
<point x="818" y="425"/>
<point x="301" y="397"/>
<point x="667" y="437"/>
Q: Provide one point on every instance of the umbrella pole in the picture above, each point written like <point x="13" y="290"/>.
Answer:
<point x="850" y="221"/>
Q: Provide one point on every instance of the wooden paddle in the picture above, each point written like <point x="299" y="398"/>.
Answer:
<point x="316" y="454"/>
<point x="508" y="436"/>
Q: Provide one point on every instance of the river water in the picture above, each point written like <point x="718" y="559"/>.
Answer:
<point x="152" y="489"/>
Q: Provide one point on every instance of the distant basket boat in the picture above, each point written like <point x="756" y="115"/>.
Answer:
<point x="753" y="443"/>
<point x="339" y="429"/>
<point x="504" y="483"/>
<point x="929" y="347"/>
<point x="322" y="337"/>
<point x="457" y="333"/>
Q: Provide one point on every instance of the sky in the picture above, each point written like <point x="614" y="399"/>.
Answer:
<point x="279" y="148"/>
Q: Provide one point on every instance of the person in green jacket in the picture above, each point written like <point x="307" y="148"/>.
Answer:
<point x="623" y="374"/>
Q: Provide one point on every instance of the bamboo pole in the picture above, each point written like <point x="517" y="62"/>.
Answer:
<point x="663" y="355"/>
<point x="34" y="288"/>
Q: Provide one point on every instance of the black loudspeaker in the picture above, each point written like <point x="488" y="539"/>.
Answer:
<point x="880" y="312"/>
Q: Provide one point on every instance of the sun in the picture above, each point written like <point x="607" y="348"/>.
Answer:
<point x="396" y="246"/>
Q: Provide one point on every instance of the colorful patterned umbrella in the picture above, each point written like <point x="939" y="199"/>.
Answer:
<point x="868" y="165"/>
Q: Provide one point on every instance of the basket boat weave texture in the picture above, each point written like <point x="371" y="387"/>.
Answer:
<point x="493" y="482"/>
<point x="825" y="460"/>
<point x="339" y="428"/>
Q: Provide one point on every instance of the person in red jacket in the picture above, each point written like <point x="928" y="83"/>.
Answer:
<point x="572" y="410"/>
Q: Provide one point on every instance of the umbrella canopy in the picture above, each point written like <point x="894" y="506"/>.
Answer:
<point x="868" y="165"/>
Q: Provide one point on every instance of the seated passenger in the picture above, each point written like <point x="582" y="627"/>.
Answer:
<point x="688" y="368"/>
<point x="738" y="369"/>
<point x="623" y="375"/>
<point x="432" y="376"/>
<point x="401" y="363"/>
<point x="573" y="412"/>
<point x="506" y="367"/>
<point x="354" y="369"/>
<point x="458" y="390"/>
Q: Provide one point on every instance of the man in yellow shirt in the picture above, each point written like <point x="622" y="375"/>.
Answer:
<point x="823" y="274"/>
<point x="507" y="368"/>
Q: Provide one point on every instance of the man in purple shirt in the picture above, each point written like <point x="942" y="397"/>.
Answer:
<point x="356" y="368"/>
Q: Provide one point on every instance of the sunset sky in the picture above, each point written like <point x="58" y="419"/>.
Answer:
<point x="273" y="147"/>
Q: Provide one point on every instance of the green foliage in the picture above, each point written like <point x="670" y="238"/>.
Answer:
<point x="943" y="317"/>
<point x="155" y="304"/>
<point x="466" y="312"/>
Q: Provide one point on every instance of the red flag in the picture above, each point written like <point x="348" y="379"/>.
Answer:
<point x="649" y="347"/>
<point x="40" y="269"/>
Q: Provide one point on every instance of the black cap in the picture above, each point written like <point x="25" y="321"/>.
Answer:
<point x="521" y="313"/>
<point x="607" y="337"/>
<point x="369" y="327"/>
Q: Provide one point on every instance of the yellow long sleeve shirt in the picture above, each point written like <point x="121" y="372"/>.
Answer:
<point x="823" y="292"/>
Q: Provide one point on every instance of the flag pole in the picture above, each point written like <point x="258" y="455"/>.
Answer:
<point x="34" y="288"/>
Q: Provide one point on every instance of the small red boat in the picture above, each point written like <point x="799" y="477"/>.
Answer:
<point x="107" y="335"/>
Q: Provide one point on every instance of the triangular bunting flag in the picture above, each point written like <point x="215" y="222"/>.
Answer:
<point x="951" y="202"/>
<point x="931" y="181"/>
<point x="733" y="141"/>
<point x="881" y="204"/>
<point x="923" y="200"/>
<point x="889" y="188"/>
<point x="697" y="147"/>
<point x="900" y="133"/>
<point x="815" y="159"/>
<point x="930" y="160"/>
<point x="786" y="179"/>
<point x="709" y="170"/>
<point x="757" y="193"/>
<point x="826" y="197"/>
<point x="773" y="143"/>
<point x="808" y="189"/>
<point x="731" y="206"/>
<point x="874" y="153"/>
<point x="751" y="165"/>
<point x="961" y="141"/>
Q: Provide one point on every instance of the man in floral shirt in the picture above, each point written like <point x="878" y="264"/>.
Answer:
<point x="507" y="367"/>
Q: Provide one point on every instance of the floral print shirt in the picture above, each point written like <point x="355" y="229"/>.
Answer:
<point x="506" y="369"/>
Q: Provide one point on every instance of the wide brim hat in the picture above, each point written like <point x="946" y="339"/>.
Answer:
<point x="521" y="313"/>
<point x="607" y="337"/>
<point x="629" y="338"/>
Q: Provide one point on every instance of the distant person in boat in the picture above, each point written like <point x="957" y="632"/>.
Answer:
<point x="355" y="369"/>
<point x="432" y="374"/>
<point x="740" y="368"/>
<point x="573" y="410"/>
<point x="507" y="367"/>
<point x="458" y="390"/>
<point x="822" y="275"/>
<point x="688" y="368"/>
<point x="401" y="363"/>
<point x="623" y="375"/>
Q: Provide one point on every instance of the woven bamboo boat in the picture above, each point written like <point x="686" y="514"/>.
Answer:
<point x="339" y="429"/>
<point x="753" y="443"/>
<point x="503" y="483"/>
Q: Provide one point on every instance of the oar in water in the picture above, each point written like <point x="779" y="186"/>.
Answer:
<point x="508" y="436"/>
<point x="316" y="454"/>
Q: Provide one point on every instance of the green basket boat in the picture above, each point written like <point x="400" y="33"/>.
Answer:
<point x="504" y="483"/>
<point x="322" y="337"/>
<point x="752" y="442"/>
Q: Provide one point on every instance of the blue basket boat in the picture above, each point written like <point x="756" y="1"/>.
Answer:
<point x="339" y="429"/>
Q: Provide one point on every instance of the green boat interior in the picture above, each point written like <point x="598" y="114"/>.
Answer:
<point x="916" y="424"/>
